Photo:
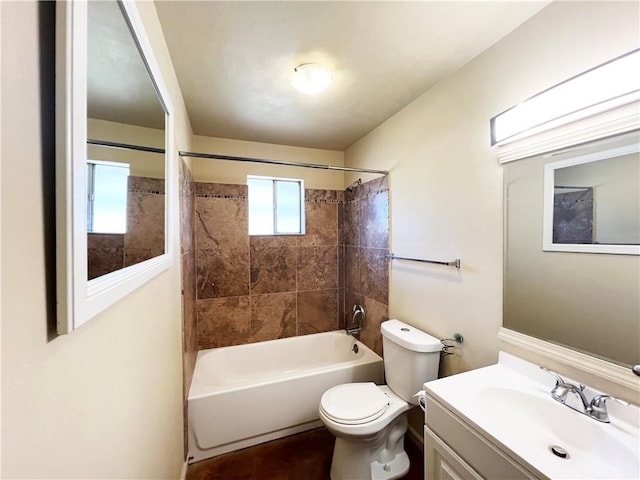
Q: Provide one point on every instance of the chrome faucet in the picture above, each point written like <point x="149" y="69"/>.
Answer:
<point x="356" y="320"/>
<point x="596" y="408"/>
<point x="563" y="388"/>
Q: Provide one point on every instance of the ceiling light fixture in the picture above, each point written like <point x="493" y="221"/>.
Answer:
<point x="310" y="78"/>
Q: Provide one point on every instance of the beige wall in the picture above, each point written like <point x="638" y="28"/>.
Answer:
<point x="104" y="401"/>
<point x="141" y="164"/>
<point x="218" y="171"/>
<point x="445" y="183"/>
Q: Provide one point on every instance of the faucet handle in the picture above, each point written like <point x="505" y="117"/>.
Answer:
<point x="598" y="402"/>
<point x="598" y="407"/>
<point x="559" y="380"/>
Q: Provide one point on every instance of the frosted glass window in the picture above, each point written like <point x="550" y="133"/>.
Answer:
<point x="288" y="207"/>
<point x="261" y="212"/>
<point x="276" y="206"/>
<point x="107" y="195"/>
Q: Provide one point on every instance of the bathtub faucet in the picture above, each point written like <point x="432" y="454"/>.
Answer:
<point x="356" y="320"/>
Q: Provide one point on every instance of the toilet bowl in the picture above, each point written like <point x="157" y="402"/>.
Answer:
<point x="369" y="423"/>
<point x="368" y="420"/>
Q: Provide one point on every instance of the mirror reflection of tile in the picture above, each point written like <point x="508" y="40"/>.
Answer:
<point x="573" y="215"/>
<point x="144" y="238"/>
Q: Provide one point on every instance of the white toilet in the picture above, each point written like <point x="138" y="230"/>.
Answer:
<point x="369" y="420"/>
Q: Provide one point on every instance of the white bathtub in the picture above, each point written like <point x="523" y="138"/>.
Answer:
<point x="249" y="394"/>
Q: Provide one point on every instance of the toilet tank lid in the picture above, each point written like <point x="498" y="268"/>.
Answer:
<point x="409" y="337"/>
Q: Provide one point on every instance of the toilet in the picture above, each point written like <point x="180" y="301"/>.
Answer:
<point x="368" y="420"/>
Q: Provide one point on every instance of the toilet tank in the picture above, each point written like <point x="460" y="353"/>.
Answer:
<point x="411" y="357"/>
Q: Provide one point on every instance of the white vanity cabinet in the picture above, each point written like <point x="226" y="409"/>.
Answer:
<point x="442" y="463"/>
<point x="455" y="450"/>
<point x="501" y="423"/>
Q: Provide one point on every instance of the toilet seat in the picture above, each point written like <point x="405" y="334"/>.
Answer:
<point x="354" y="403"/>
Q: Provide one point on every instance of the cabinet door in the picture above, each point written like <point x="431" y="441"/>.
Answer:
<point x="442" y="463"/>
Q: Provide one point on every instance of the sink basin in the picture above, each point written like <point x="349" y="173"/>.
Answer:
<point x="519" y="414"/>
<point x="537" y="423"/>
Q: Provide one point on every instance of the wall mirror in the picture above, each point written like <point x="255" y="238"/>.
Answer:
<point x="592" y="200"/>
<point x="125" y="188"/>
<point x="113" y="129"/>
<point x="575" y="298"/>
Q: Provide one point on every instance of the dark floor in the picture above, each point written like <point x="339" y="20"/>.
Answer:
<point x="305" y="456"/>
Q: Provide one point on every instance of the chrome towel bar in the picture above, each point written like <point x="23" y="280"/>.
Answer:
<point x="454" y="263"/>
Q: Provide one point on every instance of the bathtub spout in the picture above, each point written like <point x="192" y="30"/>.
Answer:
<point x="356" y="321"/>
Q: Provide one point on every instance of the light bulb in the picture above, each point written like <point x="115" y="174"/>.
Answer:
<point x="310" y="78"/>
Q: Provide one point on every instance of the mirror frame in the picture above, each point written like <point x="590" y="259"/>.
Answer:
<point x="547" y="218"/>
<point x="78" y="298"/>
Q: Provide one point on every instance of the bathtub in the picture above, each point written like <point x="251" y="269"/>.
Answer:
<point x="249" y="394"/>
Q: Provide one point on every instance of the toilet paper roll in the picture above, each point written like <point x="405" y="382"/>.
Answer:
<point x="421" y="399"/>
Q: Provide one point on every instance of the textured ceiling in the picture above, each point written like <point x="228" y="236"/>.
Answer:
<point x="233" y="61"/>
<point x="119" y="88"/>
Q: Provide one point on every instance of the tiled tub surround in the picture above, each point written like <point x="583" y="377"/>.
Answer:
<point x="259" y="288"/>
<point x="144" y="238"/>
<point x="364" y="242"/>
<point x="188" y="258"/>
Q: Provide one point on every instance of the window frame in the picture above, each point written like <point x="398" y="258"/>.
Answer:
<point x="274" y="198"/>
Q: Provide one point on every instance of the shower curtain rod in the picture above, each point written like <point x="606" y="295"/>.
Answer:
<point x="214" y="156"/>
<point x="124" y="146"/>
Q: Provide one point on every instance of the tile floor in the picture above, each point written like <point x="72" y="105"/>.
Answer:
<point x="305" y="456"/>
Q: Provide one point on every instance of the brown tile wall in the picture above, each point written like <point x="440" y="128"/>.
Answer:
<point x="188" y="258"/>
<point x="364" y="242"/>
<point x="258" y="288"/>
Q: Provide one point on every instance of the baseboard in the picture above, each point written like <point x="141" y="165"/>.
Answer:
<point x="183" y="472"/>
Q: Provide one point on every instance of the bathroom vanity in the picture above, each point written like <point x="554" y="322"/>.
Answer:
<point x="501" y="422"/>
<point x="449" y="440"/>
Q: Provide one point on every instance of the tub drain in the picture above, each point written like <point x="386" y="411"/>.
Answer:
<point x="558" y="451"/>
